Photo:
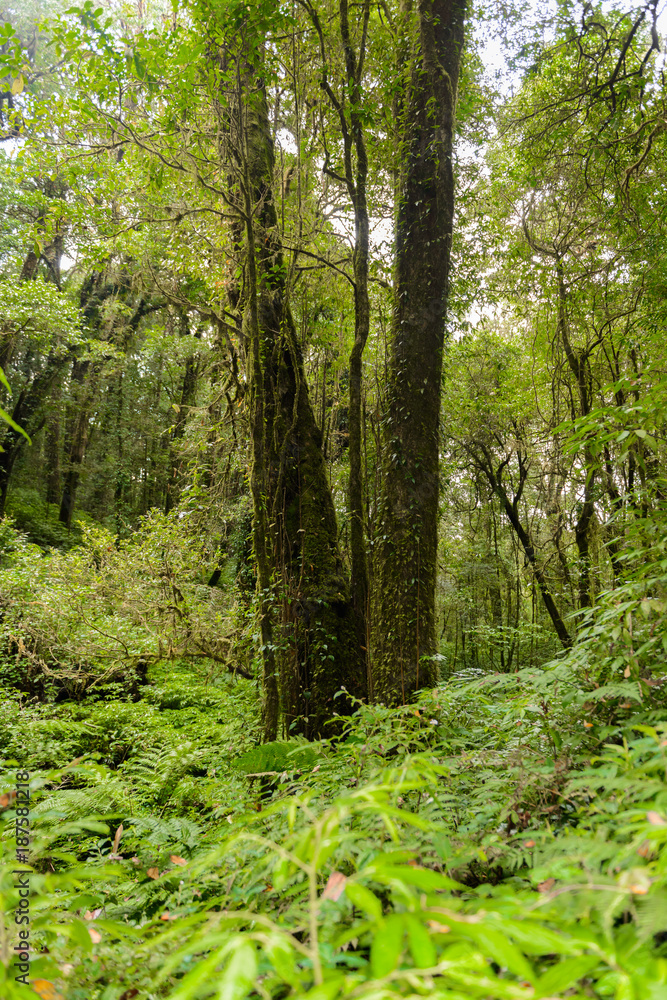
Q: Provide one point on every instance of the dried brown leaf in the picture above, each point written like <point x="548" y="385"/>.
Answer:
<point x="545" y="886"/>
<point x="335" y="886"/>
<point x="116" y="839"/>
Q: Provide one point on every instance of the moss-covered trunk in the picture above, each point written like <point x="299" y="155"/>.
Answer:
<point x="406" y="546"/>
<point x="308" y="617"/>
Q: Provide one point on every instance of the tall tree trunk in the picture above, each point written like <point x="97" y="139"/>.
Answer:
<point x="404" y="623"/>
<point x="307" y="609"/>
<point x="357" y="186"/>
<point x="122" y="478"/>
<point x="76" y="453"/>
<point x="28" y="405"/>
<point x="351" y="118"/>
<point x="11" y="445"/>
<point x="495" y="588"/>
<point x="28" y="412"/>
<point x="511" y="510"/>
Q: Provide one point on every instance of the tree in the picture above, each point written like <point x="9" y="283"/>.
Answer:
<point x="295" y="532"/>
<point x="350" y="121"/>
<point x="404" y="643"/>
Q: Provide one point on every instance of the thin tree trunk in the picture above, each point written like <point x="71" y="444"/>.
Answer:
<point x="580" y="366"/>
<point x="359" y="566"/>
<point x="350" y="115"/>
<point x="187" y="398"/>
<point x="53" y="472"/>
<point x="511" y="509"/>
<point x="32" y="396"/>
<point x="120" y="487"/>
<point x="529" y="549"/>
<point x="27" y="413"/>
<point x="77" y="441"/>
<point x="77" y="453"/>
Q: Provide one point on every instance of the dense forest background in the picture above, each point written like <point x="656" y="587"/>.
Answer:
<point x="333" y="556"/>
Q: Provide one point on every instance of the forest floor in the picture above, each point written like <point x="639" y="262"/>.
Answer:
<point x="473" y="844"/>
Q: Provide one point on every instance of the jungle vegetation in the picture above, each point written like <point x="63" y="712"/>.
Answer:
<point x="333" y="523"/>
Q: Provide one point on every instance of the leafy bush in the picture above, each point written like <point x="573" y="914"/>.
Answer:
<point x="39" y="521"/>
<point x="81" y="621"/>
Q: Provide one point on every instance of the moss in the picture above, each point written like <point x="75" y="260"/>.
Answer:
<point x="310" y="623"/>
<point x="404" y="621"/>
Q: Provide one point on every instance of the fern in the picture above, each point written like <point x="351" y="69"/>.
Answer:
<point x="174" y="832"/>
<point x="155" y="773"/>
<point x="277" y="757"/>
<point x="109" y="796"/>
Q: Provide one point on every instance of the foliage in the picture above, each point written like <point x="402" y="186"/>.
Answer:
<point x="443" y="848"/>
<point x="4" y="416"/>
<point x="95" y="615"/>
<point x="41" y="311"/>
<point x="27" y="512"/>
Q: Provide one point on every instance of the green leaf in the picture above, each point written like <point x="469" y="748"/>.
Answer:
<point x="327" y="991"/>
<point x="564" y="975"/>
<point x="387" y="945"/>
<point x="282" y="959"/>
<point x="422" y="948"/>
<point x="624" y="989"/>
<point x="499" y="948"/>
<point x="12" y="423"/>
<point x="79" y="934"/>
<point x="422" y="878"/>
<point x="538" y="940"/>
<point x="364" y="899"/>
<point x="239" y="976"/>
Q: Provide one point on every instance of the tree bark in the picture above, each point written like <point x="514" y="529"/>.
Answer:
<point x="404" y="641"/>
<point x="27" y="413"/>
<point x="53" y="481"/>
<point x="29" y="401"/>
<point x="355" y="159"/>
<point x="307" y="613"/>
<point x="579" y="364"/>
<point x="359" y="583"/>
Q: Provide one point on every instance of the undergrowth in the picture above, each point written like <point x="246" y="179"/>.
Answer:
<point x="501" y="837"/>
<point x="446" y="848"/>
